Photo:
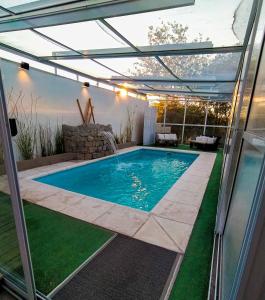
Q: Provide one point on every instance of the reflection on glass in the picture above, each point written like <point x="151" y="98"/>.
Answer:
<point x="84" y="36"/>
<point x="241" y="202"/>
<point x="184" y="24"/>
<point x="177" y="129"/>
<point x="195" y="113"/>
<point x="218" y="113"/>
<point x="88" y="67"/>
<point x="204" y="66"/>
<point x="217" y="132"/>
<point x="10" y="262"/>
<point x="252" y="68"/>
<point x="191" y="132"/>
<point x="18" y="6"/>
<point x="175" y="112"/>
<point x="141" y="67"/>
<point x="29" y="41"/>
<point x="256" y="122"/>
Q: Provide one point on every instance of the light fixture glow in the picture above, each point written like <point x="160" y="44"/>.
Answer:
<point x="122" y="93"/>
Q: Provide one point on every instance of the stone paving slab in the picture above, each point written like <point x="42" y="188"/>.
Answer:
<point x="169" y="224"/>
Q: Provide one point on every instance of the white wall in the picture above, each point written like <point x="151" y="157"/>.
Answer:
<point x="57" y="99"/>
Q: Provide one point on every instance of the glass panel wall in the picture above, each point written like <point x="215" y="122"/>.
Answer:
<point x="241" y="105"/>
<point x="251" y="161"/>
<point x="191" y="132"/>
<point x="175" y="112"/>
<point x="195" y="118"/>
<point x="195" y="113"/>
<point x="241" y="203"/>
<point x="208" y="17"/>
<point x="10" y="260"/>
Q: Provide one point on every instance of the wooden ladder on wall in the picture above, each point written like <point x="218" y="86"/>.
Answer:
<point x="88" y="114"/>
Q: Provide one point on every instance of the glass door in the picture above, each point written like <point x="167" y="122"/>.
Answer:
<point x="15" y="264"/>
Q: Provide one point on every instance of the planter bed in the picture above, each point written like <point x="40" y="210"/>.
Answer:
<point x="126" y="145"/>
<point x="23" y="165"/>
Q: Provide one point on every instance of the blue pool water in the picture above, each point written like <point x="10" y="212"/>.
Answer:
<point x="138" y="179"/>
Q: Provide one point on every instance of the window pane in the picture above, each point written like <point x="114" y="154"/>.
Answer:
<point x="175" y="112"/>
<point x="195" y="113"/>
<point x="191" y="132"/>
<point x="204" y="66"/>
<point x="218" y="113"/>
<point x="256" y="122"/>
<point x="160" y="112"/>
<point x="30" y="42"/>
<point x="84" y="36"/>
<point x="10" y="261"/>
<point x="88" y="67"/>
<point x="144" y="67"/>
<point x="18" y="6"/>
<point x="217" y="132"/>
<point x="240" y="207"/>
<point x="204" y="17"/>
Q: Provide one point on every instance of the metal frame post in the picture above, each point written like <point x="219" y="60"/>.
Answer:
<point x="184" y="121"/>
<point x="16" y="201"/>
<point x="206" y="116"/>
<point x="165" y="115"/>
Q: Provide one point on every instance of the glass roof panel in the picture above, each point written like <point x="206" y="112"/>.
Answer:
<point x="147" y="67"/>
<point x="204" y="66"/>
<point x="205" y="20"/>
<point x="19" y="6"/>
<point x="29" y="41"/>
<point x="88" y="67"/>
<point x="84" y="35"/>
<point x="215" y="88"/>
<point x="3" y="13"/>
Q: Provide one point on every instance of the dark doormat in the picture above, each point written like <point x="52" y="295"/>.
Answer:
<point x="125" y="269"/>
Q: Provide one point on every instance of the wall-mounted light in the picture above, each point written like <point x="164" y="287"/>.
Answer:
<point x="122" y="93"/>
<point x="24" y="65"/>
<point x="86" y="84"/>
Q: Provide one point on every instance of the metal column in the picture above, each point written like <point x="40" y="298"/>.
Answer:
<point x="16" y="202"/>
<point x="184" y="121"/>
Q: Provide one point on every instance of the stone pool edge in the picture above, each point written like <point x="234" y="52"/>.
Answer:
<point x="169" y="224"/>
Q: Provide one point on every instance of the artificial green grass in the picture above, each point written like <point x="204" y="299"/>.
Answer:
<point x="193" y="277"/>
<point x="58" y="243"/>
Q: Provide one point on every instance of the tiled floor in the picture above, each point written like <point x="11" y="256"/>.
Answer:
<point x="168" y="225"/>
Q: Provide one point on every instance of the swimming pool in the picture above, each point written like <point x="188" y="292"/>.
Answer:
<point x="138" y="179"/>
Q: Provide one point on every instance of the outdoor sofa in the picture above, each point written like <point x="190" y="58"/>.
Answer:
<point x="205" y="143"/>
<point x="167" y="139"/>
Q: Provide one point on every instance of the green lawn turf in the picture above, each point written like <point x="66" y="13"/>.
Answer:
<point x="58" y="243"/>
<point x="193" y="278"/>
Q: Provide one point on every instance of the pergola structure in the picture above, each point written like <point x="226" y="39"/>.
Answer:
<point x="103" y="40"/>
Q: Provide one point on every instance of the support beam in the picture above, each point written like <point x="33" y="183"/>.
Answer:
<point x="182" y="82"/>
<point x="58" y="66"/>
<point x="178" y="92"/>
<point x="145" y="51"/>
<point x="83" y="11"/>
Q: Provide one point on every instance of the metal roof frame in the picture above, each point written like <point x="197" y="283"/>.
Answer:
<point x="106" y="8"/>
<point x="84" y="11"/>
